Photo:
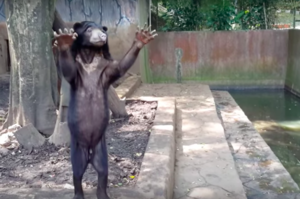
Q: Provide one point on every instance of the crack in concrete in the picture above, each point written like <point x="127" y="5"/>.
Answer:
<point x="201" y="176"/>
<point x="120" y="12"/>
<point x="84" y="12"/>
<point x="100" y="11"/>
<point x="237" y="151"/>
<point x="70" y="9"/>
<point x="205" y="184"/>
<point x="120" y="15"/>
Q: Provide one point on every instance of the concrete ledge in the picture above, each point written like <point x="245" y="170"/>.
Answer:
<point x="156" y="178"/>
<point x="292" y="90"/>
<point x="129" y="85"/>
<point x="262" y="174"/>
<point x="245" y="84"/>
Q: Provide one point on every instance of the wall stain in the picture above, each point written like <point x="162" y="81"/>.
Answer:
<point x="178" y="55"/>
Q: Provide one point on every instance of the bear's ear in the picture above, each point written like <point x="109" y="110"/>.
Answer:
<point x="76" y="26"/>
<point x="105" y="28"/>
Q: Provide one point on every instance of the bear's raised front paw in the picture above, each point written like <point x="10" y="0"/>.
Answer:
<point x="144" y="35"/>
<point x="64" y="40"/>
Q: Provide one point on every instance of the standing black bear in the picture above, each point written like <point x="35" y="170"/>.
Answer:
<point x="86" y="64"/>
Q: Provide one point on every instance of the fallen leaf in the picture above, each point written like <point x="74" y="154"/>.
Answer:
<point x="138" y="154"/>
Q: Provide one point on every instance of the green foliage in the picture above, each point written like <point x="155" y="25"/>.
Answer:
<point x="251" y="19"/>
<point x="252" y="16"/>
<point x="180" y="17"/>
<point x="221" y="18"/>
<point x="189" y="15"/>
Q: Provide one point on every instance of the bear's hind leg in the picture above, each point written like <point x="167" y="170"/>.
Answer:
<point x="100" y="163"/>
<point x="79" y="159"/>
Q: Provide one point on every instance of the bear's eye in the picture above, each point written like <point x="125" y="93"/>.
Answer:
<point x="89" y="30"/>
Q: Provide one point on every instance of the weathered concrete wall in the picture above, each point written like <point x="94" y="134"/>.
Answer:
<point x="112" y="13"/>
<point x="293" y="68"/>
<point x="2" y="10"/>
<point x="255" y="58"/>
<point x="120" y="16"/>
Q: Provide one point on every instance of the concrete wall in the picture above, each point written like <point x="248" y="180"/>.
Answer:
<point x="239" y="58"/>
<point x="293" y="68"/>
<point x="112" y="13"/>
<point x="120" y="16"/>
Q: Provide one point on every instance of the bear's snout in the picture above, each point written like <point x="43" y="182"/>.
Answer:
<point x="98" y="36"/>
<point x="102" y="36"/>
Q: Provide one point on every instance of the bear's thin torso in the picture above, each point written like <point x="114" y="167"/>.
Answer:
<point x="89" y="97"/>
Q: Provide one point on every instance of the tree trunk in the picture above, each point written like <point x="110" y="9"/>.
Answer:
<point x="116" y="106"/>
<point x="33" y="89"/>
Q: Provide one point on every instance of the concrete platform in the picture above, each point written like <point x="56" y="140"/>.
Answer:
<point x="204" y="165"/>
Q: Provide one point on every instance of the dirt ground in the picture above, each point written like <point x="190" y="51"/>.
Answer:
<point x="50" y="167"/>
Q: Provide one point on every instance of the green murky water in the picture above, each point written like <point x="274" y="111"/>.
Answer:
<point x="276" y="116"/>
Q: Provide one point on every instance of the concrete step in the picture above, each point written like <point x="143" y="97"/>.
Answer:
<point x="204" y="164"/>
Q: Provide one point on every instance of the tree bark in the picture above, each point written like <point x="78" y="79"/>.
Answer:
<point x="116" y="106"/>
<point x="33" y="84"/>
